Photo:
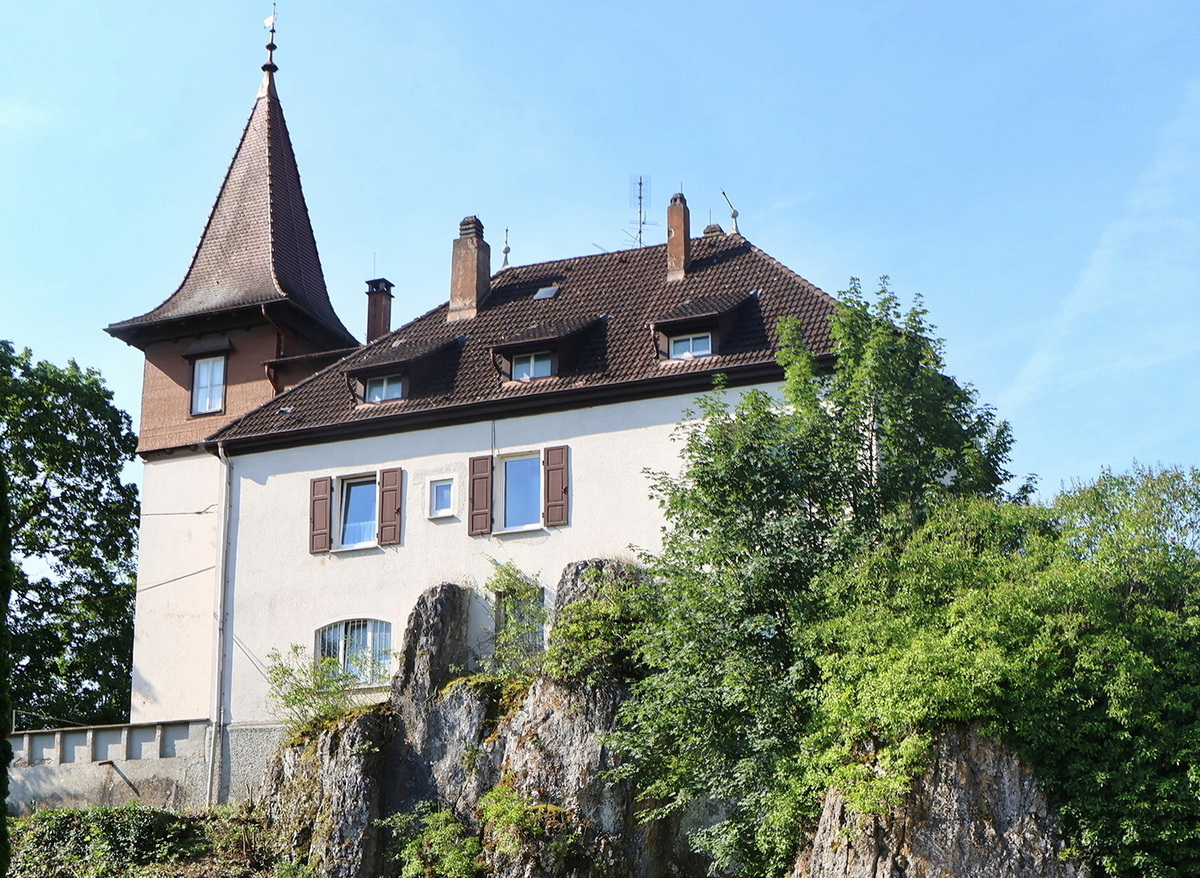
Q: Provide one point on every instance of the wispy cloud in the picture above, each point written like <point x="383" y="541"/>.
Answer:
<point x="16" y="116"/>
<point x="1134" y="303"/>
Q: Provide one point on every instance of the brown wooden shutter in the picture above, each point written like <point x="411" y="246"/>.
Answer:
<point x="479" y="496"/>
<point x="390" y="483"/>
<point x="320" y="510"/>
<point x="555" y="512"/>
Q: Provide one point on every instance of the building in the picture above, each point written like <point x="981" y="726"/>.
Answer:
<point x="301" y="488"/>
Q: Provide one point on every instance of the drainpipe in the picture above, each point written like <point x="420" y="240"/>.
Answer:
<point x="217" y="712"/>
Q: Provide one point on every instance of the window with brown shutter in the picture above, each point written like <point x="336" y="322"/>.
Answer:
<point x="555" y="463"/>
<point x="320" y="509"/>
<point x="390" y="483"/>
<point x="479" y="496"/>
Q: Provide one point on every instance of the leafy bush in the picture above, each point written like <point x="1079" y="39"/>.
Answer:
<point x="511" y="821"/>
<point x="594" y="639"/>
<point x="96" y="842"/>
<point x="307" y="694"/>
<point x="433" y="843"/>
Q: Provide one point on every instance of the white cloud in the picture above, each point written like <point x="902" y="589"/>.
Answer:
<point x="1133" y="306"/>
<point x="15" y="116"/>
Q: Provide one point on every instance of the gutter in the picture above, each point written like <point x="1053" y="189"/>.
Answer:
<point x="217" y="712"/>
<point x="647" y="387"/>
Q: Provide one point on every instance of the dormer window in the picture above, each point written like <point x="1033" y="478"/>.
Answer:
<point x="208" y="385"/>
<point x="689" y="347"/>
<point x="384" y="388"/>
<point x="528" y="366"/>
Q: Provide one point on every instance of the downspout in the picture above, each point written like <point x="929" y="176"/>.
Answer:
<point x="217" y="713"/>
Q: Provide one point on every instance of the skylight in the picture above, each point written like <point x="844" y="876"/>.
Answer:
<point x="546" y="293"/>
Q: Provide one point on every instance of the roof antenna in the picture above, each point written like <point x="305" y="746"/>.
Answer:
<point x="269" y="24"/>
<point x="506" y="250"/>
<point x="639" y="196"/>
<point x="733" y="214"/>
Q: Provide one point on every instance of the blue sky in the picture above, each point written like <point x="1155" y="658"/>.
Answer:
<point x="1032" y="169"/>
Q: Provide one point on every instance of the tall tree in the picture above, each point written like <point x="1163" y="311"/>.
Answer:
<point x="773" y="494"/>
<point x="6" y="579"/>
<point x="74" y="529"/>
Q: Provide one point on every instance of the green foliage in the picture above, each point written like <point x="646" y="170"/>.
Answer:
<point x="98" y="842"/>
<point x="772" y="496"/>
<point x="593" y="638"/>
<point x="294" y="870"/>
<point x="520" y="618"/>
<point x="433" y="843"/>
<point x="74" y="527"/>
<point x="1070" y="631"/>
<point x="138" y="842"/>
<point x="6" y="583"/>
<point x="511" y="822"/>
<point x="307" y="695"/>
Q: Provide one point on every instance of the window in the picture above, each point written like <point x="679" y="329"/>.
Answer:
<point x="362" y="647"/>
<point x="357" y="519"/>
<point x="687" y="347"/>
<point x="521" y="488"/>
<point x="387" y="387"/>
<point x="208" y="385"/>
<point x="530" y="491"/>
<point x="441" y="498"/>
<point x="527" y="366"/>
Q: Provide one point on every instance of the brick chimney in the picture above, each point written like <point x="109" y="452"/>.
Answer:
<point x="679" y="238"/>
<point x="379" y="308"/>
<point x="470" y="270"/>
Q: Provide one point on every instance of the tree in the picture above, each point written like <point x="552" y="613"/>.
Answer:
<point x="6" y="580"/>
<point x="73" y="523"/>
<point x="773" y="494"/>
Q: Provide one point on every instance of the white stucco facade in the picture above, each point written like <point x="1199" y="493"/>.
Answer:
<point x="174" y="624"/>
<point x="281" y="594"/>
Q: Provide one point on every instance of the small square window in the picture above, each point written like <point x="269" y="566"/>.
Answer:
<point x="387" y="387"/>
<point x="357" y="521"/>
<point x="441" y="498"/>
<point x="688" y="347"/>
<point x="208" y="385"/>
<point x="528" y="366"/>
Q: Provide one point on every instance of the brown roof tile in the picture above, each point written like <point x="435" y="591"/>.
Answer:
<point x="258" y="244"/>
<point x="607" y="302"/>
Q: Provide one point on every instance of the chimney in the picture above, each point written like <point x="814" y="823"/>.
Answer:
<point x="379" y="308"/>
<point x="679" y="238"/>
<point x="470" y="270"/>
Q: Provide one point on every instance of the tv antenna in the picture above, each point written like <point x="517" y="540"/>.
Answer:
<point x="733" y="214"/>
<point x="639" y="197"/>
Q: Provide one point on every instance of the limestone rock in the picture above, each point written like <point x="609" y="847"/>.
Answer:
<point x="977" y="810"/>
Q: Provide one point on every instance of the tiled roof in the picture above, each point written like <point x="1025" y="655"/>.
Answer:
<point x="608" y="302"/>
<point x="258" y="246"/>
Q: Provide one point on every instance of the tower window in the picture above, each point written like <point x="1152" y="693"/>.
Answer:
<point x="208" y="385"/>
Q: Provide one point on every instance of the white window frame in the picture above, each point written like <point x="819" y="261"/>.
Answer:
<point x="208" y="395"/>
<point x="344" y="484"/>
<point x="500" y="498"/>
<point x="690" y="339"/>
<point x="433" y="510"/>
<point x="381" y="659"/>
<point x="540" y="364"/>
<point x="390" y="387"/>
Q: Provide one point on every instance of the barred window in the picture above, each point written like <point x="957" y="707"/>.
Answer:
<point x="363" y="647"/>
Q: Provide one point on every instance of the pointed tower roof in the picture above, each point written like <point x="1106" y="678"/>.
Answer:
<point x="258" y="246"/>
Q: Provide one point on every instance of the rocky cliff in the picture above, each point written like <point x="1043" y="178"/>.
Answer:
<point x="536" y="761"/>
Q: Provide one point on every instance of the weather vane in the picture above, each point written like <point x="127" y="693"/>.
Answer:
<point x="269" y="24"/>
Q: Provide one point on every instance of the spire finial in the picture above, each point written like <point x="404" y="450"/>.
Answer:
<point x="269" y="24"/>
<point x="506" y="250"/>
